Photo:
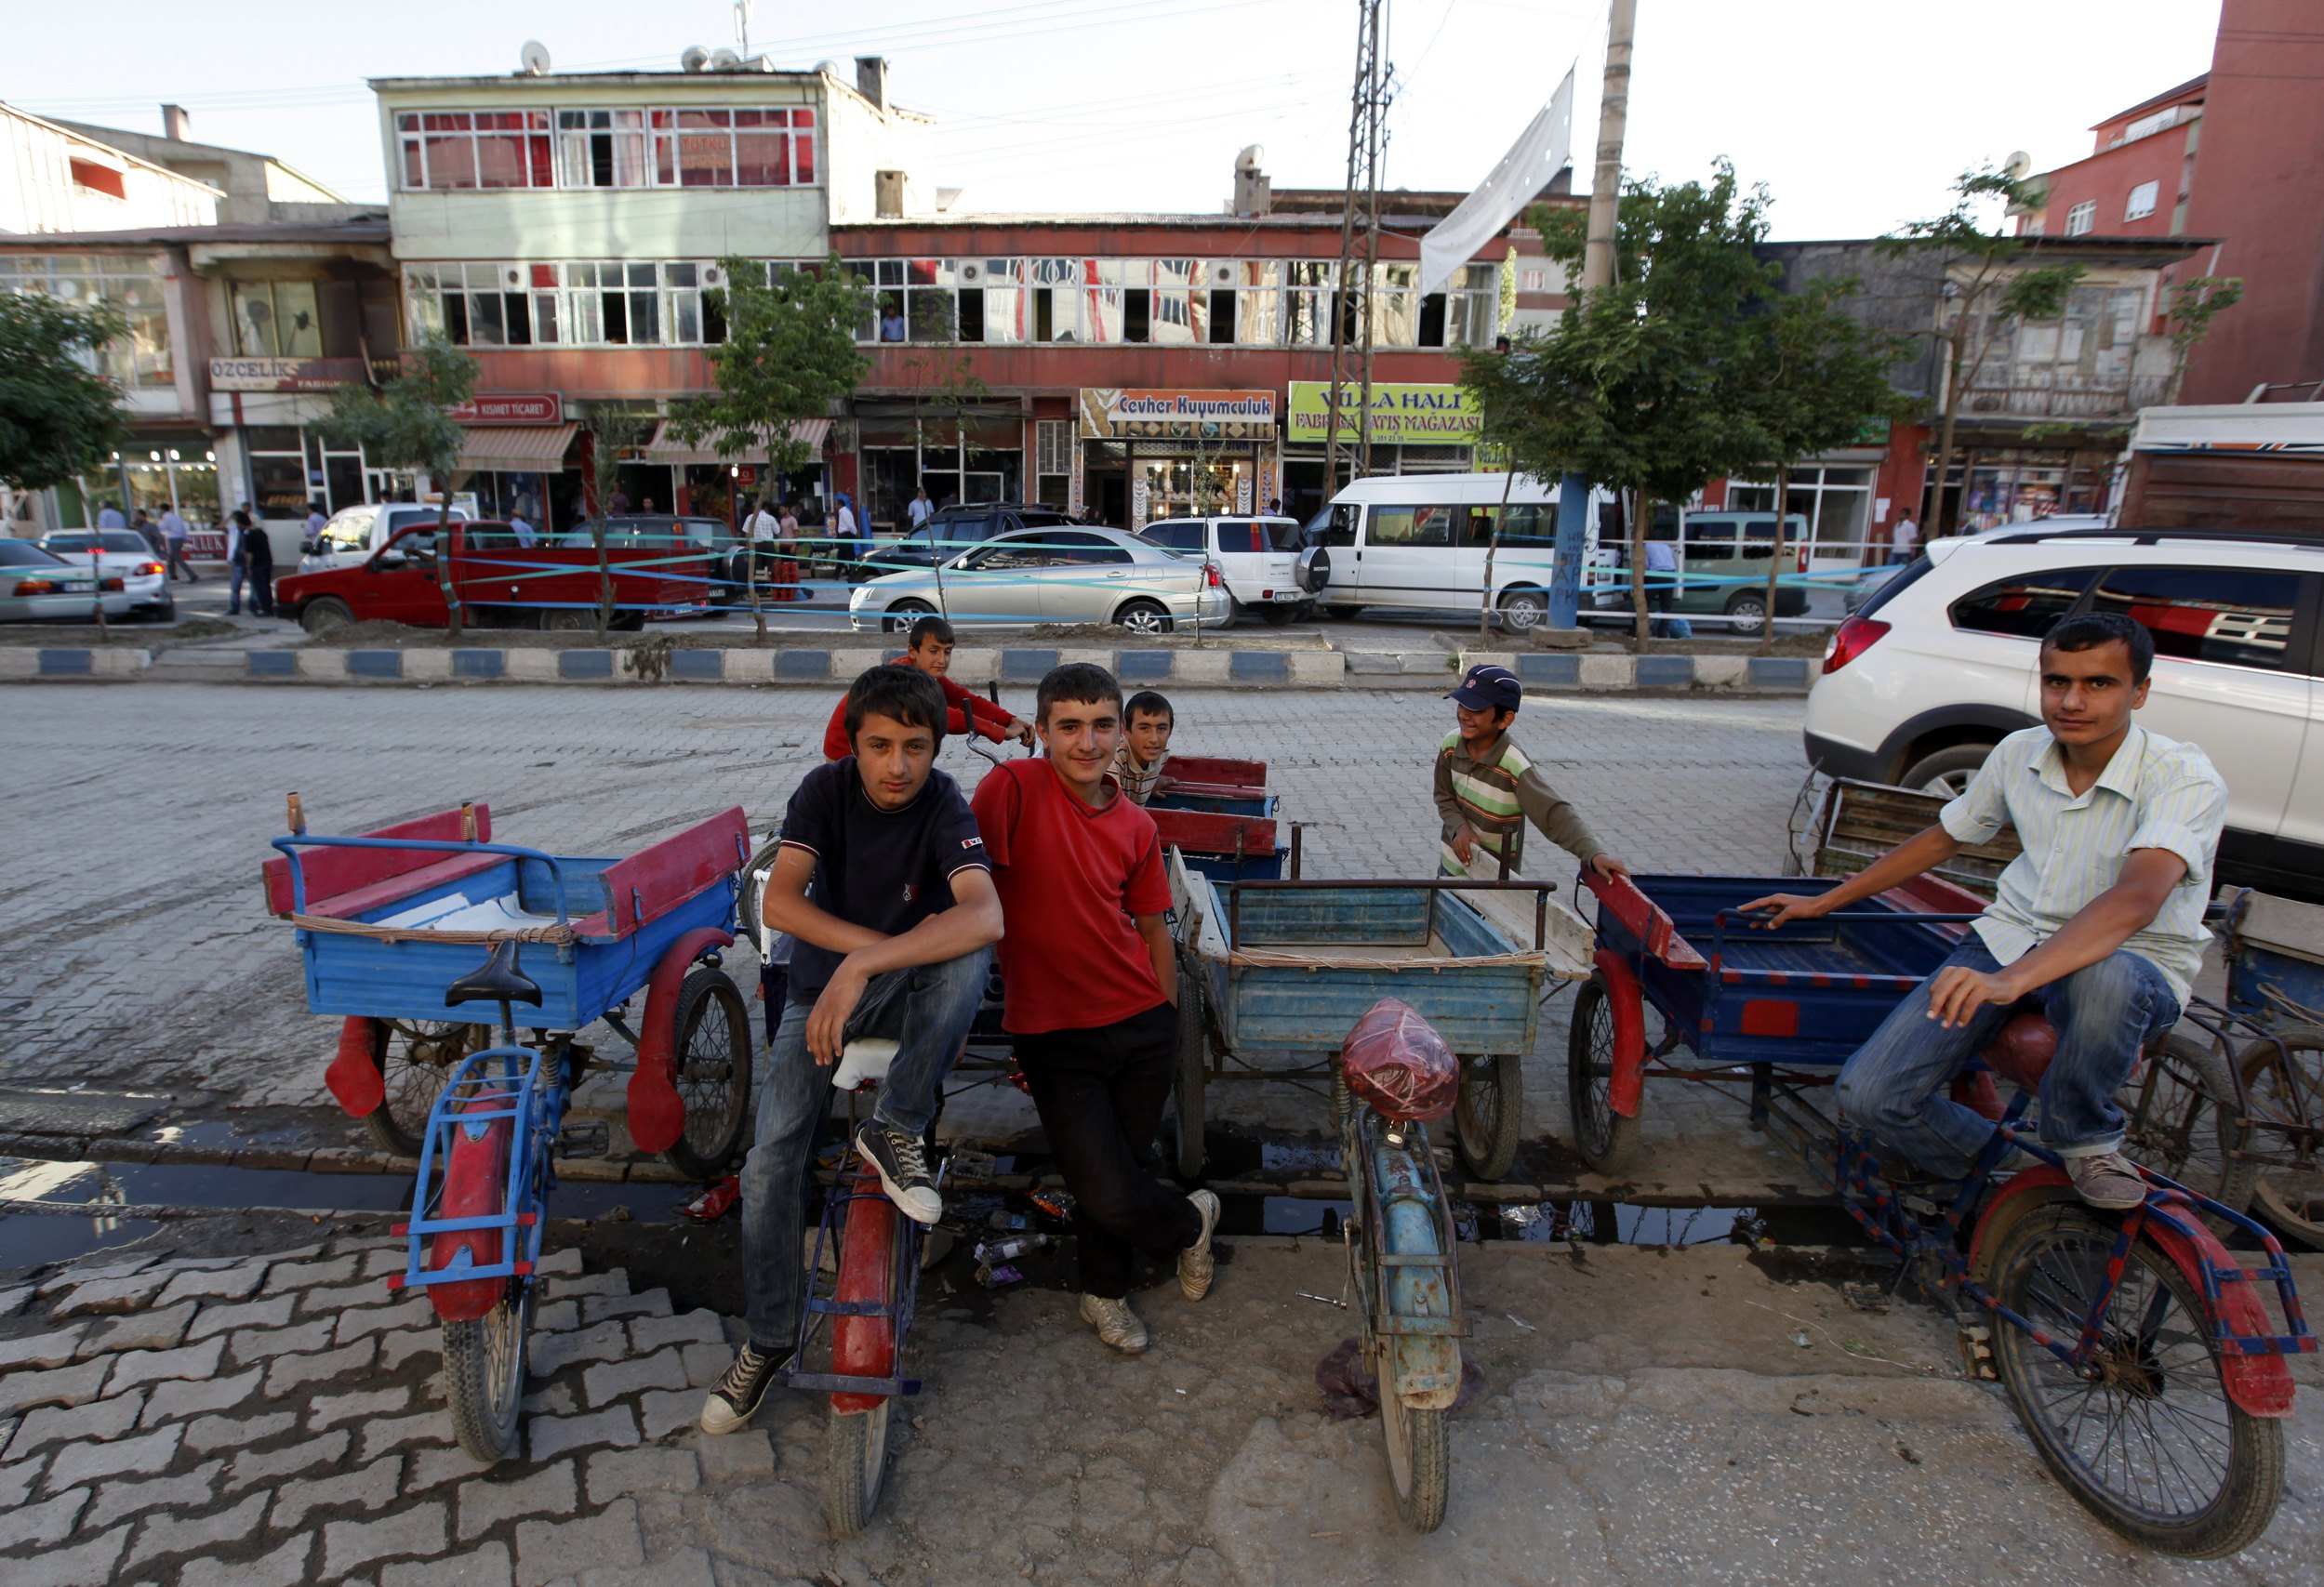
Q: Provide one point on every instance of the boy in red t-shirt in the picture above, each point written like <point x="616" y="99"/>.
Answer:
<point x="965" y="710"/>
<point x="1090" y="977"/>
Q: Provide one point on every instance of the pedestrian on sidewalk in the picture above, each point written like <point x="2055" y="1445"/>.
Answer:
<point x="144" y="528"/>
<point x="522" y="531"/>
<point x="1905" y="540"/>
<point x="174" y="537"/>
<point x="236" y="572"/>
<point x="109" y="517"/>
<point x="316" y="519"/>
<point x="1092" y="981"/>
<point x="758" y="530"/>
<point x="257" y="563"/>
<point x="786" y="553"/>
<point x="922" y="509"/>
<point x="1662" y="588"/>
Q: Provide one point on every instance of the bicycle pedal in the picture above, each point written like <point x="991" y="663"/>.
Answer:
<point x="583" y="1140"/>
<point x="1976" y="1348"/>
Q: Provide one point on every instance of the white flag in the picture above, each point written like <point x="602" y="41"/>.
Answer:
<point x="1540" y="153"/>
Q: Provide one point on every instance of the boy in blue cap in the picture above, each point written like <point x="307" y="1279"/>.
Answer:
<point x="1487" y="789"/>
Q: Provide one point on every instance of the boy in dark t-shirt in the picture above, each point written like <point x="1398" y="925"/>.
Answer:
<point x="883" y="883"/>
<point x="1091" y="974"/>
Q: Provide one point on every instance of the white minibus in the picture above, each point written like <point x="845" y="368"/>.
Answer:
<point x="1419" y="542"/>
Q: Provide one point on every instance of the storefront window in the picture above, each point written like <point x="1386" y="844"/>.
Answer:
<point x="1836" y="501"/>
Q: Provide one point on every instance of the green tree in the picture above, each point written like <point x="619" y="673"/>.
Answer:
<point x="2195" y="303"/>
<point x="944" y="389"/>
<point x="60" y="417"/>
<point x="1816" y="375"/>
<point x="404" y="425"/>
<point x="1990" y="289"/>
<point x="612" y="430"/>
<point x="1649" y="384"/>
<point x="789" y="355"/>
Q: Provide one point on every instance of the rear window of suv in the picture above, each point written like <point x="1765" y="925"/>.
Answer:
<point x="2025" y="604"/>
<point x="2239" y="616"/>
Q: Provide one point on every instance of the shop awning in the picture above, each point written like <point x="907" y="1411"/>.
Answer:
<point x="522" y="448"/>
<point x="666" y="448"/>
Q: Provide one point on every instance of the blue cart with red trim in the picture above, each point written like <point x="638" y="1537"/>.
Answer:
<point x="404" y="930"/>
<point x="2147" y="1363"/>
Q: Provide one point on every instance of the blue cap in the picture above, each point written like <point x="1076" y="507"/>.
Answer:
<point x="1489" y="688"/>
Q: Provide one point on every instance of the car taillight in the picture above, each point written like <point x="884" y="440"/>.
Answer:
<point x="144" y="570"/>
<point x="37" y="587"/>
<point x="1211" y="572"/>
<point x="1851" y="640"/>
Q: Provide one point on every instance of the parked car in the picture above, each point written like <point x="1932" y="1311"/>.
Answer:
<point x="1079" y="574"/>
<point x="352" y="534"/>
<point x="38" y="587"/>
<point x="1941" y="663"/>
<point x="1258" y="557"/>
<point x="548" y="587"/>
<point x="125" y="555"/>
<point x="1419" y="541"/>
<point x="1722" y="569"/>
<point x="955" y="528"/>
<point x="642" y="538"/>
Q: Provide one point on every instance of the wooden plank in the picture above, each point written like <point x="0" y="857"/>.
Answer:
<point x="1214" y="770"/>
<point x="1295" y="914"/>
<point x="330" y="872"/>
<point x="1203" y="832"/>
<point x="654" y="880"/>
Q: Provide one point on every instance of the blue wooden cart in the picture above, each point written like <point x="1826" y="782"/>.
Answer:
<point x="2275" y="953"/>
<point x="1282" y="970"/>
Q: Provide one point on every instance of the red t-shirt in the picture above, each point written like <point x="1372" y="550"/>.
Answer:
<point x="1069" y="878"/>
<point x="965" y="709"/>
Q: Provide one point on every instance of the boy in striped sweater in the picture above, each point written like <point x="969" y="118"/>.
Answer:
<point x="1487" y="789"/>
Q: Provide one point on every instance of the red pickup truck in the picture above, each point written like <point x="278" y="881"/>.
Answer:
<point x="500" y="582"/>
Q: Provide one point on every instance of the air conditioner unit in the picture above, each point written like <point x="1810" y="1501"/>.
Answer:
<point x="513" y="278"/>
<point x="1221" y="275"/>
<point x="972" y="272"/>
<point x="713" y="276"/>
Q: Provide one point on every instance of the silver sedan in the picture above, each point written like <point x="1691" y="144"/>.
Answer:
<point x="144" y="576"/>
<point x="37" y="588"/>
<point x="1053" y="576"/>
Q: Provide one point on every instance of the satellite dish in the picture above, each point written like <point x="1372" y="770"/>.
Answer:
<point x="534" y="58"/>
<point x="726" y="61"/>
<point x="1250" y="157"/>
<point x="2018" y="167"/>
<point x="694" y="58"/>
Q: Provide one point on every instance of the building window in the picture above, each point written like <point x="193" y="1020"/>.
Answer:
<point x="734" y="148"/>
<point x="602" y="149"/>
<point x="1532" y="280"/>
<point x="276" y="319"/>
<point x="467" y="150"/>
<point x="2081" y="217"/>
<point x="129" y="282"/>
<point x="94" y="177"/>
<point x="2142" y="202"/>
<point x="579" y="303"/>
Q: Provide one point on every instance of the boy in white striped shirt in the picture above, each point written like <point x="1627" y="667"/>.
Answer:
<point x="2100" y="919"/>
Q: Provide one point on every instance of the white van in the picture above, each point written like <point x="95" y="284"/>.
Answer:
<point x="354" y="533"/>
<point x="1418" y="541"/>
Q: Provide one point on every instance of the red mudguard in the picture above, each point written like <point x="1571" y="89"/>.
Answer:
<point x="476" y="1183"/>
<point x="865" y="1347"/>
<point x="656" y="1116"/>
<point x="354" y="1075"/>
<point x="2260" y="1385"/>
<point x="1627" y="1006"/>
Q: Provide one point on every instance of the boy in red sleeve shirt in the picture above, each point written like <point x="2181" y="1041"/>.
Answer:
<point x="1091" y="976"/>
<point x="965" y="710"/>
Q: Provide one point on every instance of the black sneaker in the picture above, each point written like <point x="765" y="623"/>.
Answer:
<point x="903" y="1170"/>
<point x="735" y="1400"/>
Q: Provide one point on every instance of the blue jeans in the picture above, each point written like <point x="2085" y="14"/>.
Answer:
<point x="234" y="589"/>
<point x="928" y="1009"/>
<point x="2106" y="1012"/>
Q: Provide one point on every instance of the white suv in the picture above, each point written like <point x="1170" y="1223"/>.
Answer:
<point x="1922" y="682"/>
<point x="1257" y="556"/>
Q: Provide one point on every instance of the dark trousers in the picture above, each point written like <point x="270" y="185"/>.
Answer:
<point x="178" y="563"/>
<point x="1101" y="1093"/>
<point x="262" y="589"/>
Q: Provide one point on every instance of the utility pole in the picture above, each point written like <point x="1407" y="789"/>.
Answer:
<point x="1350" y="298"/>
<point x="1605" y="202"/>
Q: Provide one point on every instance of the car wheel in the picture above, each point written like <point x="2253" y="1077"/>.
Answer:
<point x="1144" y="617"/>
<point x="903" y="615"/>
<point x="1525" y="609"/>
<point x="1747" y="612"/>
<point x="1948" y="771"/>
<point x="569" y="620"/>
<point x="324" y="614"/>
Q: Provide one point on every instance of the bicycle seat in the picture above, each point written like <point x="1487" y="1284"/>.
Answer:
<point x="496" y="981"/>
<point x="2020" y="1051"/>
<point x="863" y="1060"/>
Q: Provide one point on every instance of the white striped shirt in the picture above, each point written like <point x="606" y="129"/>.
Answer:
<point x="2156" y="793"/>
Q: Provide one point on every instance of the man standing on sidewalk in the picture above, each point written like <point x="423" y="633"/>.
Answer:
<point x="1091" y="974"/>
<point x="174" y="537"/>
<point x="890" y="944"/>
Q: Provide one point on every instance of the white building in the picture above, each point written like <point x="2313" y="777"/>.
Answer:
<point x="53" y="178"/>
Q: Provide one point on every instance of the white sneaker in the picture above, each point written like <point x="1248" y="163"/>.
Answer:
<point x="1115" y="1323"/>
<point x="1195" y="1264"/>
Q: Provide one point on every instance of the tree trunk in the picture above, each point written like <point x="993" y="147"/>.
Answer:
<point x="1931" y="521"/>
<point x="1775" y="556"/>
<point x="751" y="559"/>
<point x="1484" y="604"/>
<point x="444" y="554"/>
<point x="1642" y="624"/>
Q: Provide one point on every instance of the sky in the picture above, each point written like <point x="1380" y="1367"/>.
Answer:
<point x="1856" y="116"/>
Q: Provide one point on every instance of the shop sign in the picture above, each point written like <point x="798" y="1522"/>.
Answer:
<point x="1422" y="415"/>
<point x="284" y="374"/>
<point x="510" y="407"/>
<point x="1110" y="413"/>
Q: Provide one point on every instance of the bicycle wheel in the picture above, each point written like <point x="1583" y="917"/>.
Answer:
<point x="1604" y="1138"/>
<point x="413" y="1057"/>
<point x="856" y="1441"/>
<point x="484" y="1375"/>
<point x="855" y="1467"/>
<point x="2146" y="1439"/>
<point x="2285" y="1086"/>
<point x="1419" y="1459"/>
<point x="1489" y="1113"/>
<point x="2180" y="1118"/>
<point x="714" y="1073"/>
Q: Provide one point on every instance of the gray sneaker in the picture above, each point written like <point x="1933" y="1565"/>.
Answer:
<point x="1115" y="1323"/>
<point x="735" y="1400"/>
<point x="903" y="1170"/>
<point x="2108" y="1181"/>
<point x="1195" y="1264"/>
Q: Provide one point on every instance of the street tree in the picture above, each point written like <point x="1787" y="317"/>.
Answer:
<point x="405" y="424"/>
<point x="1992" y="284"/>
<point x="944" y="390"/>
<point x="789" y="355"/>
<point x="2195" y="303"/>
<point x="59" y="415"/>
<point x="1646" y="385"/>
<point x="612" y="429"/>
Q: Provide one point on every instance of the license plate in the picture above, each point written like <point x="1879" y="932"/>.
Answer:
<point x="1286" y="595"/>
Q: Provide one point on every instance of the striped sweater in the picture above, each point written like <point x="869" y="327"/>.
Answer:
<point x="1494" y="797"/>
